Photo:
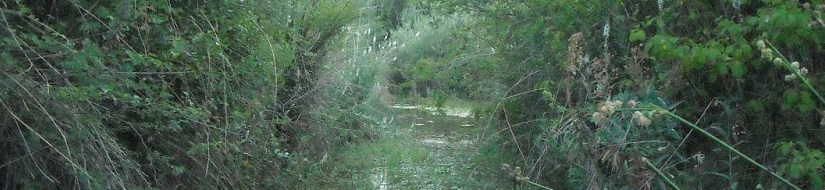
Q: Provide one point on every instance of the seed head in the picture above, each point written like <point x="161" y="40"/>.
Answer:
<point x="777" y="61"/>
<point x="760" y="44"/>
<point x="767" y="53"/>
<point x="631" y="103"/>
<point x="598" y="117"/>
<point x="518" y="174"/>
<point x="644" y="121"/>
<point x="505" y="167"/>
<point x="795" y="65"/>
<point x="637" y="115"/>
<point x="790" y="77"/>
<point x="617" y="104"/>
<point x="603" y="109"/>
<point x="606" y="108"/>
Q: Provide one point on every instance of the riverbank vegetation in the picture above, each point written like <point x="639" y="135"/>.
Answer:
<point x="590" y="92"/>
<point x="263" y="94"/>
<point x="170" y="94"/>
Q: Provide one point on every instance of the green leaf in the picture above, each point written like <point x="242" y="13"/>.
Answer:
<point x="785" y="148"/>
<point x="721" y="68"/>
<point x="816" y="159"/>
<point x="794" y="170"/>
<point x="756" y="105"/>
<point x="791" y="96"/>
<point x="136" y="58"/>
<point x="78" y="62"/>
<point x="178" y="46"/>
<point x="671" y="133"/>
<point x="24" y="10"/>
<point x="102" y="12"/>
<point x="737" y="68"/>
<point x="806" y="103"/>
<point x="9" y="62"/>
<point x="816" y="180"/>
<point x="89" y="26"/>
<point x="636" y="35"/>
<point x="177" y="170"/>
<point x="660" y="23"/>
<point x="157" y="19"/>
<point x="745" y="51"/>
<point x="712" y="54"/>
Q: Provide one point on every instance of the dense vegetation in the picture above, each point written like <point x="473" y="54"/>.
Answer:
<point x="593" y="91"/>
<point x="166" y="94"/>
<point x="625" y="94"/>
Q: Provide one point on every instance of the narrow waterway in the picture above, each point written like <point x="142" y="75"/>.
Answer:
<point x="422" y="147"/>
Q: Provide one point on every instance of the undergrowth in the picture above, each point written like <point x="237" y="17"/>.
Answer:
<point x="736" y="82"/>
<point x="242" y="94"/>
<point x="178" y="94"/>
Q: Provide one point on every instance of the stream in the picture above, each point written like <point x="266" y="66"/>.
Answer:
<point x="421" y="147"/>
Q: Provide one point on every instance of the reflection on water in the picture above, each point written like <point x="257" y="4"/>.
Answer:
<point x="379" y="178"/>
<point x="443" y="135"/>
<point x="455" y="112"/>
